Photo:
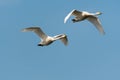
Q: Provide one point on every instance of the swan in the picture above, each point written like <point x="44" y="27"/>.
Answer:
<point x="83" y="15"/>
<point x="45" y="39"/>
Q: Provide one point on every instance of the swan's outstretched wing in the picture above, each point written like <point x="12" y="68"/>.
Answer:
<point x="68" y="16"/>
<point x="97" y="23"/>
<point x="64" y="40"/>
<point x="73" y="12"/>
<point x="37" y="30"/>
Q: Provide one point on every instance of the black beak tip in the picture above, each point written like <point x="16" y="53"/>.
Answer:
<point x="40" y="45"/>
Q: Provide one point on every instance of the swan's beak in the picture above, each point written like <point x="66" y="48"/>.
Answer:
<point x="40" y="45"/>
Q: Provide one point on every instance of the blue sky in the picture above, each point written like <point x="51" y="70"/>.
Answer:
<point x="89" y="55"/>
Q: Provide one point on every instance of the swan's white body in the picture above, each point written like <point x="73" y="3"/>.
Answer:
<point x="82" y="15"/>
<point x="45" y="39"/>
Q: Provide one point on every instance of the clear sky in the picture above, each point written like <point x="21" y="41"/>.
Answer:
<point x="88" y="56"/>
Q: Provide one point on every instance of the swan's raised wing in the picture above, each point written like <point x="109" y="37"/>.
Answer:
<point x="73" y="12"/>
<point x="97" y="23"/>
<point x="37" y="30"/>
<point x="68" y="16"/>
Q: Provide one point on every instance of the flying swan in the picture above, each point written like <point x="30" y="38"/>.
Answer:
<point x="83" y="15"/>
<point x="45" y="39"/>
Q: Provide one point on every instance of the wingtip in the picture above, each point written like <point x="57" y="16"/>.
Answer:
<point x="103" y="33"/>
<point x="64" y="21"/>
<point x="23" y="30"/>
<point x="66" y="44"/>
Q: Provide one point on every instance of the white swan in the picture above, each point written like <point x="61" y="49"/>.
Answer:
<point x="82" y="15"/>
<point x="45" y="39"/>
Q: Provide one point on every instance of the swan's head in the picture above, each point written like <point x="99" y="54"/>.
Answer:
<point x="98" y="13"/>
